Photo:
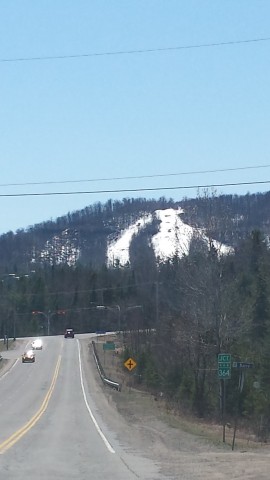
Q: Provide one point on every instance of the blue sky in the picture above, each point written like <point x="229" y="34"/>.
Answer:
<point x="129" y="115"/>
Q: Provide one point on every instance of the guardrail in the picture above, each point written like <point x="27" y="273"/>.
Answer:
<point x="106" y="381"/>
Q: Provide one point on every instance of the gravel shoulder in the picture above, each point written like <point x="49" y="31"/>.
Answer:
<point x="9" y="357"/>
<point x="181" y="447"/>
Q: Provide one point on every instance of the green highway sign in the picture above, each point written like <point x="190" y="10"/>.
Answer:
<point x="224" y="365"/>
<point x="109" y="346"/>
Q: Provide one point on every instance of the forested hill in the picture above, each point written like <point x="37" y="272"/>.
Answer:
<point x="84" y="236"/>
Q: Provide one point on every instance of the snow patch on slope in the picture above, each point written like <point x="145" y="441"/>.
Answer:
<point x="173" y="238"/>
<point x="118" y="250"/>
<point x="60" y="249"/>
<point x="174" y="235"/>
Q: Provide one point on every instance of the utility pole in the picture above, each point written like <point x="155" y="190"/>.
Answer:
<point x="112" y="308"/>
<point x="157" y="303"/>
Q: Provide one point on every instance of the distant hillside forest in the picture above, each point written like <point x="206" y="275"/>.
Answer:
<point x="176" y="316"/>
<point x="226" y="218"/>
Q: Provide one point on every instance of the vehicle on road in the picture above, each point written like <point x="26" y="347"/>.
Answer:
<point x="37" y="344"/>
<point x="28" y="357"/>
<point x="69" y="333"/>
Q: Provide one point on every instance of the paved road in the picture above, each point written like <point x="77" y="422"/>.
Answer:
<point x="50" y="427"/>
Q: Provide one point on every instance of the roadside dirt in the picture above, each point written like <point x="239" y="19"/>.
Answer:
<point x="182" y="448"/>
<point x="9" y="357"/>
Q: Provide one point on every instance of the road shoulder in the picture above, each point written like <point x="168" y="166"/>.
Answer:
<point x="141" y="424"/>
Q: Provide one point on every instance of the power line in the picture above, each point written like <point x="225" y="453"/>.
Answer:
<point x="91" y="290"/>
<point x="134" y="190"/>
<point x="136" y="177"/>
<point x="132" y="52"/>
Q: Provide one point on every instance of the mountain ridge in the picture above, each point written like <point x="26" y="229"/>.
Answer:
<point x="86" y="236"/>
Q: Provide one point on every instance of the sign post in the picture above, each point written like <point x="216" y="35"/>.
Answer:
<point x="130" y="364"/>
<point x="241" y="366"/>
<point x="224" y="373"/>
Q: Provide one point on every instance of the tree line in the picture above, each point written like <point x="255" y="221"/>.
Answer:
<point x="89" y="230"/>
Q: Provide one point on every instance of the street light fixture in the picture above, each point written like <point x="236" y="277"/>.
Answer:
<point x="48" y="316"/>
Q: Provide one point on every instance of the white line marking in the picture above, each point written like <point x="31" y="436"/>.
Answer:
<point x="107" y="443"/>
<point x="12" y="366"/>
<point x="9" y="370"/>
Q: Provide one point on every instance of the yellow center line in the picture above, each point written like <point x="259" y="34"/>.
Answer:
<point x="16" y="436"/>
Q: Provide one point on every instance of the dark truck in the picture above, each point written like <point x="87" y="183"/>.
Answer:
<point x="69" y="333"/>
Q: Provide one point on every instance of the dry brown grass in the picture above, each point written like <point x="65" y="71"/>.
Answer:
<point x="136" y="398"/>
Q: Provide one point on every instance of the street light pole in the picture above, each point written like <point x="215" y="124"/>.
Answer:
<point x="14" y="326"/>
<point x="48" y="322"/>
<point x="5" y="277"/>
<point x="48" y="317"/>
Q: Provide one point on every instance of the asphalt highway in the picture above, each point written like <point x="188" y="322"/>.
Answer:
<point x="50" y="427"/>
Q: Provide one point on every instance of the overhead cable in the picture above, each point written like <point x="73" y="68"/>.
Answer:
<point x="133" y="190"/>
<point x="136" y="177"/>
<point x="132" y="52"/>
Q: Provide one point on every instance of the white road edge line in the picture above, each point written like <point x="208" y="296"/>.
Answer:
<point x="107" y="443"/>
<point x="11" y="368"/>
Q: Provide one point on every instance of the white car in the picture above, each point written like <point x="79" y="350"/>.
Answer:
<point x="37" y="344"/>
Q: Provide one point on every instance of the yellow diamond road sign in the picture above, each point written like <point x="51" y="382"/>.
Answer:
<point x="130" y="364"/>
